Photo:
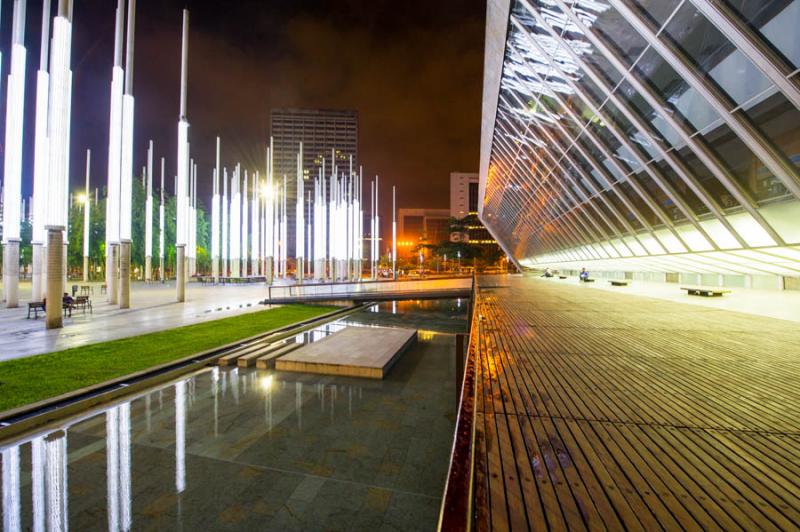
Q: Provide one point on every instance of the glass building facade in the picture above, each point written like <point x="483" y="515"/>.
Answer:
<point x="652" y="136"/>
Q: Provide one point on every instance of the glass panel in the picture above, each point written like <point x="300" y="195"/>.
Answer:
<point x="638" y="203"/>
<point x="707" y="180"/>
<point x="660" y="197"/>
<point x="745" y="167"/>
<point x="776" y="22"/>
<point x="713" y="54"/>
<point x="657" y="11"/>
<point x="779" y="121"/>
<point x="687" y="105"/>
<point x="683" y="190"/>
<point x="617" y="33"/>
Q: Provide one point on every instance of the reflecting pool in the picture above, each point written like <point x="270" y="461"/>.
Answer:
<point x="247" y="449"/>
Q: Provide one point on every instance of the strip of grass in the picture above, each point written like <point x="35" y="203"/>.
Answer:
<point x="32" y="379"/>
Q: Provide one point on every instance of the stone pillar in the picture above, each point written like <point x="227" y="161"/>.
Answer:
<point x="37" y="279"/>
<point x="55" y="277"/>
<point x="268" y="270"/>
<point x="298" y="271"/>
<point x="64" y="266"/>
<point x="180" y="273"/>
<point x="112" y="275"/>
<point x="11" y="273"/>
<point x="85" y="269"/>
<point x="148" y="269"/>
<point x="125" y="274"/>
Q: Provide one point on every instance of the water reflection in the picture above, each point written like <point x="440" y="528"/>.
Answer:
<point x="248" y="439"/>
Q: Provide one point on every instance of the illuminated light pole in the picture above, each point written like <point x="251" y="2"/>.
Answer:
<point x="299" y="242"/>
<point x="394" y="233"/>
<point x="225" y="228"/>
<point x="284" y="231"/>
<point x="181" y="234"/>
<point x="114" y="160"/>
<point x="215" y="221"/>
<point x="360" y="235"/>
<point x="245" y="233"/>
<point x="41" y="161"/>
<point x="148" y="218"/>
<point x="309" y="250"/>
<point x="192" y="249"/>
<point x="255" y="236"/>
<point x="126" y="172"/>
<point x="12" y="189"/>
<point x="58" y="133"/>
<point x="162" y="275"/>
<point x="87" y="207"/>
<point x="269" y="219"/>
<point x="236" y="224"/>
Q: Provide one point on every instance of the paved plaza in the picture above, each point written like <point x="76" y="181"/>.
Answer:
<point x="153" y="308"/>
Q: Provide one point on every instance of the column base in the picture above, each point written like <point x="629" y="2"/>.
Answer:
<point x="54" y="318"/>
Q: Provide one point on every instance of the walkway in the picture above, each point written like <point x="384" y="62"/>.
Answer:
<point x="597" y="409"/>
<point x="153" y="309"/>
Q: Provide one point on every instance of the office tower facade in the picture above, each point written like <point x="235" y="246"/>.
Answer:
<point x="320" y="131"/>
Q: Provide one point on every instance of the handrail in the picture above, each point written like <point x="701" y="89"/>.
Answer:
<point x="455" y="513"/>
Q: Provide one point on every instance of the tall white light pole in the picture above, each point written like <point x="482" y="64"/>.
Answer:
<point x="394" y="233"/>
<point x="182" y="233"/>
<point x="191" y="253"/>
<point x="12" y="186"/>
<point x="245" y="222"/>
<point x="115" y="160"/>
<point x="215" y="219"/>
<point x="284" y="231"/>
<point x="126" y="172"/>
<point x="225" y="224"/>
<point x="236" y="224"/>
<point x="161" y="274"/>
<point x="41" y="160"/>
<point x="87" y="218"/>
<point x="269" y="219"/>
<point x="58" y="172"/>
<point x="254" y="223"/>
<point x="300" y="224"/>
<point x="148" y="218"/>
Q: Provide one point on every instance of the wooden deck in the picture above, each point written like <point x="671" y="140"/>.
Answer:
<point x="600" y="410"/>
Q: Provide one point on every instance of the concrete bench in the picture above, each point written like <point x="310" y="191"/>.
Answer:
<point x="619" y="282"/>
<point x="587" y="280"/>
<point x="705" y="292"/>
<point x="562" y="276"/>
<point x="35" y="306"/>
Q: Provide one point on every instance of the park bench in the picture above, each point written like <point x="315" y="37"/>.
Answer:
<point x="705" y="292"/>
<point x="86" y="290"/>
<point x="83" y="302"/>
<point x="619" y="282"/>
<point x="35" y="306"/>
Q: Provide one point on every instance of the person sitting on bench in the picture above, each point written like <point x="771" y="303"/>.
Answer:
<point x="547" y="273"/>
<point x="584" y="276"/>
<point x="68" y="303"/>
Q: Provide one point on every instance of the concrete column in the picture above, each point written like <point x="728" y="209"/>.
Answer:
<point x="125" y="274"/>
<point x="55" y="277"/>
<point x="148" y="269"/>
<point x="268" y="270"/>
<point x="85" y="269"/>
<point x="180" y="272"/>
<point x="298" y="273"/>
<point x="64" y="266"/>
<point x="112" y="275"/>
<point x="11" y="273"/>
<point x="37" y="279"/>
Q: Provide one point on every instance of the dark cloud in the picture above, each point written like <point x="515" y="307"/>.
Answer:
<point x="412" y="69"/>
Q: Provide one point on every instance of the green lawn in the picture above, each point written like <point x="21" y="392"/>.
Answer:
<point x="32" y="379"/>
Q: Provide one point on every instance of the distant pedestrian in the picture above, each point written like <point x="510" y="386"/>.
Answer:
<point x="584" y="276"/>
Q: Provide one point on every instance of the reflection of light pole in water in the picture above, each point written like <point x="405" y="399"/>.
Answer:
<point x="180" y="436"/>
<point x="55" y="452"/>
<point x="11" y="498"/>
<point x="420" y="263"/>
<point x="459" y="262"/>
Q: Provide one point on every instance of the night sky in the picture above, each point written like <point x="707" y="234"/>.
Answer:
<point x="412" y="69"/>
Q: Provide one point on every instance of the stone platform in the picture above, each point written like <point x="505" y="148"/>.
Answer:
<point x="354" y="352"/>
